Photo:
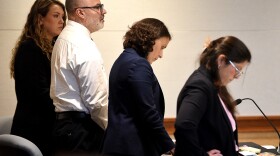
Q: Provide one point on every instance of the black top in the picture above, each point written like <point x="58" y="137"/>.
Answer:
<point x="202" y="123"/>
<point x="34" y="115"/>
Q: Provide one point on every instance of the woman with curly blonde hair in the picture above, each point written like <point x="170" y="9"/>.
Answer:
<point x="30" y="67"/>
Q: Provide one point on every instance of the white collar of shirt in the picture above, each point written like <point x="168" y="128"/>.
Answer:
<point x="80" y="27"/>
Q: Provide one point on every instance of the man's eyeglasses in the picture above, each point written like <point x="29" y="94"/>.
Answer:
<point x="99" y="7"/>
<point x="238" y="72"/>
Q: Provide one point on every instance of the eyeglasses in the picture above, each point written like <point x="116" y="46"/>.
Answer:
<point x="99" y="7"/>
<point x="238" y="72"/>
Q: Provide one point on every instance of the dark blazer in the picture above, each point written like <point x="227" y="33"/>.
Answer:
<point x="136" y="109"/>
<point x="34" y="115"/>
<point x="202" y="123"/>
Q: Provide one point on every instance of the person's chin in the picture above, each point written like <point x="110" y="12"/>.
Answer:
<point x="101" y="25"/>
<point x="224" y="83"/>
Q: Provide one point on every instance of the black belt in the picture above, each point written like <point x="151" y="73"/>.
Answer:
<point x="71" y="115"/>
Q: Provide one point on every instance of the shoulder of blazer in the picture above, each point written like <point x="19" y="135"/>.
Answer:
<point x="133" y="53"/>
<point x="136" y="59"/>
<point x="201" y="79"/>
<point x="201" y="75"/>
<point x="29" y="47"/>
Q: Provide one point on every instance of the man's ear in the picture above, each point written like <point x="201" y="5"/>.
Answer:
<point x="80" y="13"/>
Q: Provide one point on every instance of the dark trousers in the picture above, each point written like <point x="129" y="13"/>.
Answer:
<point x="75" y="133"/>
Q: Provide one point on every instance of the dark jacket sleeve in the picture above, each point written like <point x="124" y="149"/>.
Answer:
<point x="143" y="84"/>
<point x="34" y="115"/>
<point x="32" y="78"/>
<point x="193" y="104"/>
<point x="202" y="123"/>
<point x="32" y="68"/>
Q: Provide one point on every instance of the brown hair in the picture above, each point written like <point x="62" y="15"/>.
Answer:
<point x="234" y="50"/>
<point x="33" y="30"/>
<point x="142" y="35"/>
<point x="70" y="5"/>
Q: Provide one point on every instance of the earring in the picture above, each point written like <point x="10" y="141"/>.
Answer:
<point x="219" y="66"/>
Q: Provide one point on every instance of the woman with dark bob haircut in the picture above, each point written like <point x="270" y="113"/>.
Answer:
<point x="205" y="123"/>
<point x="136" y="102"/>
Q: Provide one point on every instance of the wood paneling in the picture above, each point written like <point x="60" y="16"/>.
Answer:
<point x="244" y="123"/>
<point x="169" y="125"/>
<point x="250" y="129"/>
<point x="257" y="124"/>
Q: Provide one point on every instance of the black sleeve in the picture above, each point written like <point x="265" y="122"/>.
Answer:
<point x="142" y="80"/>
<point x="32" y="75"/>
<point x="193" y="105"/>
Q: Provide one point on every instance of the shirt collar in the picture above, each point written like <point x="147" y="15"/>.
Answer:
<point x="82" y="28"/>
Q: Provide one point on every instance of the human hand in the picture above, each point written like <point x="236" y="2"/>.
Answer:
<point x="214" y="152"/>
<point x="172" y="151"/>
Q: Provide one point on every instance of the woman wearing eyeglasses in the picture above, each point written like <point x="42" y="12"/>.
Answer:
<point x="205" y="123"/>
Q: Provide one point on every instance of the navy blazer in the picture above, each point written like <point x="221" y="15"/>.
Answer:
<point x="202" y="123"/>
<point x="136" y="109"/>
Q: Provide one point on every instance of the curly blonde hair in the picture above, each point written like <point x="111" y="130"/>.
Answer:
<point x="32" y="29"/>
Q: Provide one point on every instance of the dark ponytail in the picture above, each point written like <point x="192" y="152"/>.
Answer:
<point x="234" y="50"/>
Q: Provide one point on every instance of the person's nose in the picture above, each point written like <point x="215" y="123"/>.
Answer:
<point x="61" y="20"/>
<point x="104" y="11"/>
<point x="161" y="54"/>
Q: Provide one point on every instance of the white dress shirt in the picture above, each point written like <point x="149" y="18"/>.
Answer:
<point x="78" y="77"/>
